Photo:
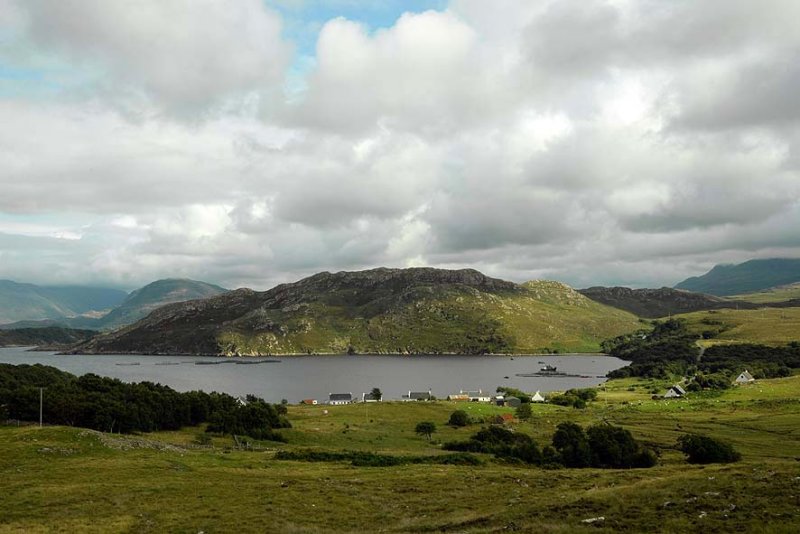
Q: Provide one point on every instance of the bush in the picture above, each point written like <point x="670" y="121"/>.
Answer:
<point x="705" y="450"/>
<point x="572" y="445"/>
<point x="458" y="418"/>
<point x="523" y="412"/>
<point x="614" y="447"/>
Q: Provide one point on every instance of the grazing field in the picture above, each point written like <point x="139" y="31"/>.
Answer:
<point x="775" y="294"/>
<point x="768" y="326"/>
<point x="69" y="479"/>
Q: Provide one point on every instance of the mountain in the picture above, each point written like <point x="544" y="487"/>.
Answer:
<point x="21" y="302"/>
<point x="654" y="303"/>
<point x="418" y="310"/>
<point x="49" y="336"/>
<point x="747" y="277"/>
<point x="154" y="295"/>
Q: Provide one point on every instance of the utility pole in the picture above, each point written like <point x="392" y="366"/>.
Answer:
<point x="41" y="396"/>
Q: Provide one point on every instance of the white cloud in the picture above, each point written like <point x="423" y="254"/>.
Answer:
<point x="186" y="55"/>
<point x="592" y="141"/>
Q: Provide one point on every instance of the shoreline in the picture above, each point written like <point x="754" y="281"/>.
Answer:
<point x="304" y="354"/>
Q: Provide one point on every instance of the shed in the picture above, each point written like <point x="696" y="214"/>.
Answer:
<point x="309" y="401"/>
<point x="513" y="402"/>
<point x="744" y="378"/>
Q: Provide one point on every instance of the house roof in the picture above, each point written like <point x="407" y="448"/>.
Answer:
<point x="478" y="393"/>
<point x="537" y="397"/>
<point x="679" y="389"/>
<point x="307" y="401"/>
<point x="419" y="394"/>
<point x="340" y="396"/>
<point x="370" y="396"/>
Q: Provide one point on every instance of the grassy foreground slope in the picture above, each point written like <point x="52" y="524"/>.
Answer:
<point x="766" y="326"/>
<point x="378" y="311"/>
<point x="66" y="479"/>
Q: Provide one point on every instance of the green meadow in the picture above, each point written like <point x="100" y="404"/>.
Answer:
<point x="67" y="479"/>
<point x="767" y="326"/>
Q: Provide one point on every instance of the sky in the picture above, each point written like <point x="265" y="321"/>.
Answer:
<point x="249" y="143"/>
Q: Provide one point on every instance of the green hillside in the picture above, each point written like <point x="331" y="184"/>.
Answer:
<point x="379" y="311"/>
<point x="767" y="326"/>
<point x="773" y="295"/>
<point x="50" y="336"/>
<point x="747" y="277"/>
<point x="76" y="480"/>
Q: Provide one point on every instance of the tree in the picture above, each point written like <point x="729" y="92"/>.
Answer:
<point x="425" y="428"/>
<point x="705" y="450"/>
<point x="376" y="394"/>
<point x="524" y="412"/>
<point x="458" y="418"/>
<point x="572" y="445"/>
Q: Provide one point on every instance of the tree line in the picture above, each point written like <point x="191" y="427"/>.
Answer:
<point x="670" y="349"/>
<point x="110" y="405"/>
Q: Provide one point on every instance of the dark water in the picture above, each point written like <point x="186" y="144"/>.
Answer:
<point x="300" y="377"/>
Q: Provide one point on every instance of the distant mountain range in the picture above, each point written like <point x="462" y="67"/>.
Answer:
<point x="20" y="302"/>
<point x="410" y="311"/>
<point x="747" y="277"/>
<point x="27" y="305"/>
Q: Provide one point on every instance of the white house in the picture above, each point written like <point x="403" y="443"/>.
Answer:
<point x="744" y="378"/>
<point x="675" y="392"/>
<point x="537" y="397"/>
<point x="335" y="399"/>
<point x="418" y="396"/>
<point x="477" y="396"/>
<point x="369" y="397"/>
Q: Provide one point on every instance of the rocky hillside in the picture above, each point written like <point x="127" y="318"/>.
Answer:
<point x="654" y="303"/>
<point x="159" y="293"/>
<point x="747" y="277"/>
<point x="377" y="311"/>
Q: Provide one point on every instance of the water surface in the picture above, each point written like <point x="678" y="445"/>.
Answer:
<point x="301" y="377"/>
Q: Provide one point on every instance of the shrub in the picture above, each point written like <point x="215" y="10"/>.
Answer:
<point x="614" y="447"/>
<point x="523" y="412"/>
<point x="458" y="418"/>
<point x="705" y="450"/>
<point x="572" y="445"/>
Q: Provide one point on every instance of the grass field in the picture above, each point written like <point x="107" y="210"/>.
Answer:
<point x="775" y="294"/>
<point x="768" y="326"/>
<point x="68" y="480"/>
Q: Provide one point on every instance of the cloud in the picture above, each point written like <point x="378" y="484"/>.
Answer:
<point x="186" y="56"/>
<point x="593" y="141"/>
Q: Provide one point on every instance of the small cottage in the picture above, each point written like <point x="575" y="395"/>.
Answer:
<point x="369" y="397"/>
<point x="418" y="396"/>
<point x="477" y="396"/>
<point x="675" y="392"/>
<point x="744" y="378"/>
<point x="537" y="397"/>
<point x="310" y="402"/>
<point x="335" y="399"/>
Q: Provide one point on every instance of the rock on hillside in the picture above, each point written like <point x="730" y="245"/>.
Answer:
<point x="419" y="310"/>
